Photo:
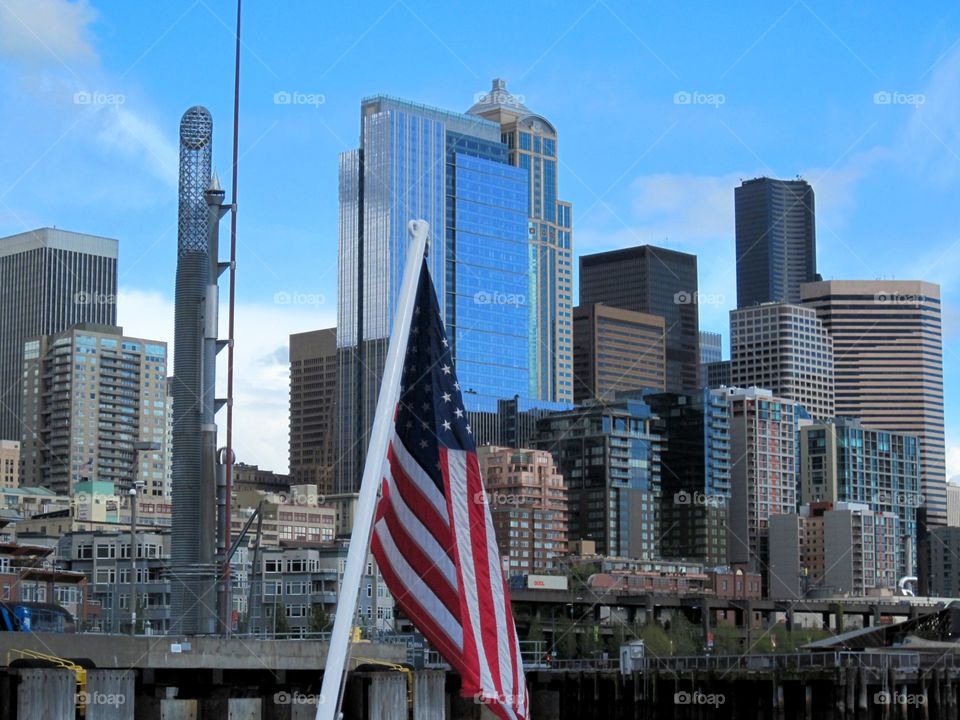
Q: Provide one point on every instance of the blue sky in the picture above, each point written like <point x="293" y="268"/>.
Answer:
<point x="777" y="88"/>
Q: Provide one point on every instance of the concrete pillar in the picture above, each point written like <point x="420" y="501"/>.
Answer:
<point x="429" y="694"/>
<point x="48" y="694"/>
<point x="387" y="696"/>
<point x="243" y="709"/>
<point x="110" y="694"/>
<point x="176" y="709"/>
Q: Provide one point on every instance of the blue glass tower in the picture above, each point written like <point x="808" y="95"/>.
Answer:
<point x="451" y="170"/>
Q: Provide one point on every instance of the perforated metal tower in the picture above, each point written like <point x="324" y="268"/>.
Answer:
<point x="193" y="541"/>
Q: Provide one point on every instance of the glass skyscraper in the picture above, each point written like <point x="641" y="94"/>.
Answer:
<point x="531" y="142"/>
<point x="451" y="170"/>
<point x="776" y="240"/>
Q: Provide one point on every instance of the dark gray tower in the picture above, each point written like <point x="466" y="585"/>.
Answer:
<point x="776" y="240"/>
<point x="193" y="540"/>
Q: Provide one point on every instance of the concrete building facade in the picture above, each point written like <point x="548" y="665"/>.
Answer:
<point x="763" y="446"/>
<point x="313" y="402"/>
<point x="528" y="504"/>
<point x="616" y="350"/>
<point x="9" y="464"/>
<point x="785" y="349"/>
<point x="888" y="366"/>
<point x="655" y="281"/>
<point x="89" y="394"/>
<point x="50" y="279"/>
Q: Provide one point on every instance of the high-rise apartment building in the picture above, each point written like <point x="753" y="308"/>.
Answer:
<point x="888" y="366"/>
<point x="313" y="401"/>
<point x="615" y="350"/>
<point x="531" y="141"/>
<point x="452" y="170"/>
<point x="943" y="577"/>
<point x="89" y="394"/>
<point x="953" y="504"/>
<point x="9" y="464"/>
<point x="786" y="349"/>
<point x="834" y="548"/>
<point x="50" y="279"/>
<point x="609" y="456"/>
<point x="528" y="505"/>
<point x="763" y="474"/>
<point x="844" y="461"/>
<point x="694" y="475"/>
<point x="776" y="240"/>
<point x="656" y="281"/>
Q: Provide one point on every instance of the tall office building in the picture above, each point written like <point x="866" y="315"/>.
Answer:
<point x="763" y="474"/>
<point x="453" y="171"/>
<point x="532" y="145"/>
<point x="616" y="350"/>
<point x="888" y="366"/>
<point x="776" y="240"/>
<point x="843" y="461"/>
<point x="786" y="349"/>
<point x="528" y="505"/>
<point x="89" y="394"/>
<point x="313" y="402"/>
<point x="609" y="456"/>
<point x="50" y="279"/>
<point x="694" y="475"/>
<point x="656" y="281"/>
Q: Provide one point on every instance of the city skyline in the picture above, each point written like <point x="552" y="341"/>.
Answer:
<point x="860" y="226"/>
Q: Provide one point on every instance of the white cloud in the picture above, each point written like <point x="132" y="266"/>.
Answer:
<point x="932" y="139"/>
<point x="41" y="31"/>
<point x="261" y="370"/>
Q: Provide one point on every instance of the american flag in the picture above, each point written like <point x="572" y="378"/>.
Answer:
<point x="433" y="535"/>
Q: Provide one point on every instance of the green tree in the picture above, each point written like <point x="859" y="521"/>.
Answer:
<point x="566" y="640"/>
<point x="656" y="641"/>
<point x="535" y="630"/>
<point x="687" y="638"/>
<point x="280" y="624"/>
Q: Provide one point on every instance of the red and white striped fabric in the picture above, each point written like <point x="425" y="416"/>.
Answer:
<point x="433" y="536"/>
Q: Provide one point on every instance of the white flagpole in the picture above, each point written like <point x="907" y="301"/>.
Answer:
<point x="328" y="706"/>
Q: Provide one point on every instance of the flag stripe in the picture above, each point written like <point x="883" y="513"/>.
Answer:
<point x="416" y="591"/>
<point x="418" y="556"/>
